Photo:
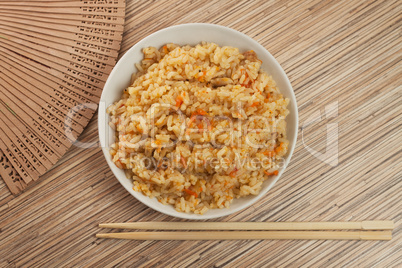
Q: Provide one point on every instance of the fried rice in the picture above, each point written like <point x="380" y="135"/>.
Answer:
<point x="199" y="126"/>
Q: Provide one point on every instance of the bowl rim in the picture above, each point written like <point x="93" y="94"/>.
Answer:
<point x="223" y="212"/>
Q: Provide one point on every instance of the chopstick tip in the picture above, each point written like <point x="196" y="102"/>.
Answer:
<point x="105" y="225"/>
<point x="100" y="235"/>
<point x="378" y="225"/>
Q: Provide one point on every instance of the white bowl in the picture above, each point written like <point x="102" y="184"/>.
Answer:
<point x="192" y="34"/>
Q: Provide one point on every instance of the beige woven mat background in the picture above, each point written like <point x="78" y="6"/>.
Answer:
<point x="340" y="56"/>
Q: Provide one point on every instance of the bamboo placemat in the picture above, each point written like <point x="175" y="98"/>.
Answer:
<point x="342" y="57"/>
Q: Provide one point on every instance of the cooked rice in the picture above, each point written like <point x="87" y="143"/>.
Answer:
<point x="199" y="126"/>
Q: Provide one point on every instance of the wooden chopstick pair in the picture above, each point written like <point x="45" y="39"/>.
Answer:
<point x="368" y="230"/>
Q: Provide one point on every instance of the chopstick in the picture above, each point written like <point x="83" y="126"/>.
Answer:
<point x="368" y="230"/>
<point x="265" y="226"/>
<point x="255" y="235"/>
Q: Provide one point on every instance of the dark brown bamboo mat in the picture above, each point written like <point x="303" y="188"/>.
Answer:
<point x="343" y="59"/>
